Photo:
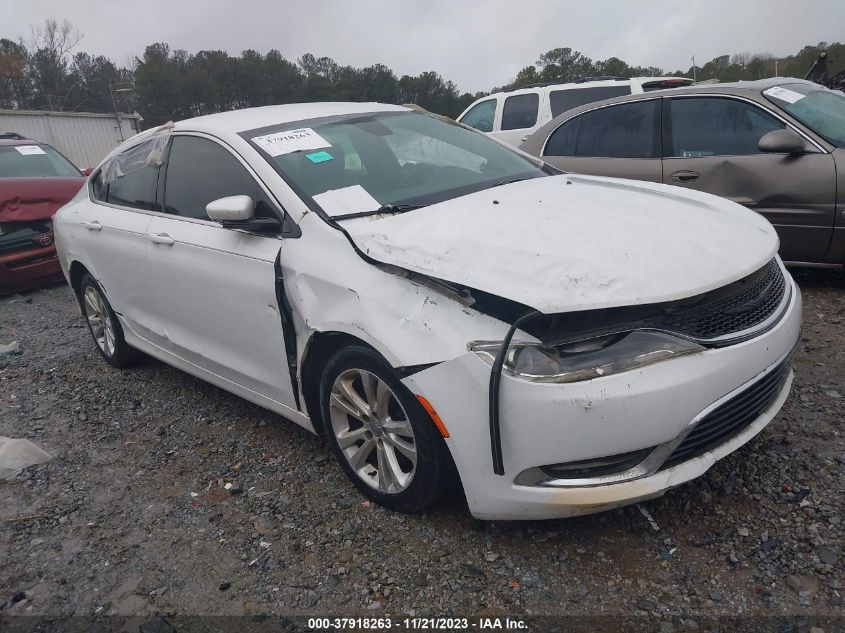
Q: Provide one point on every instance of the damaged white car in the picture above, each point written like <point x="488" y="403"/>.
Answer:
<point x="446" y="310"/>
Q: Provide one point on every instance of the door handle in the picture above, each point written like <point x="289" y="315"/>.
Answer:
<point x="161" y="238"/>
<point x="685" y="176"/>
<point x="92" y="226"/>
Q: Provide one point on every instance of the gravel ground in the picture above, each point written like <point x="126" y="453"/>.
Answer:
<point x="132" y="516"/>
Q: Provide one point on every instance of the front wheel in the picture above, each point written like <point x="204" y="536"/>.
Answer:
<point x="104" y="326"/>
<point x="380" y="434"/>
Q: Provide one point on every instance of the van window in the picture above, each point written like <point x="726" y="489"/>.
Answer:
<point x="481" y="116"/>
<point x="563" y="100"/>
<point x="520" y="111"/>
<point x="628" y="130"/>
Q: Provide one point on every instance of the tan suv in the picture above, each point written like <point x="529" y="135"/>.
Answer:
<point x="774" y="145"/>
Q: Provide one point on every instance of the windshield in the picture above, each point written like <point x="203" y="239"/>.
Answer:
<point x="34" y="161"/>
<point x="820" y="109"/>
<point x="355" y="164"/>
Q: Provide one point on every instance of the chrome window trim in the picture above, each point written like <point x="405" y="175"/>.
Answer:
<point x="763" y="107"/>
<point x="172" y="216"/>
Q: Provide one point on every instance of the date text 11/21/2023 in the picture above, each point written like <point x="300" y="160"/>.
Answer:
<point x="418" y="624"/>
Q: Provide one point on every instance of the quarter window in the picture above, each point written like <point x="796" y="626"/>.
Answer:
<point x="520" y="111"/>
<point x="622" y="131"/>
<point x="563" y="100"/>
<point x="716" y="127"/>
<point x="481" y="116"/>
<point x="199" y="171"/>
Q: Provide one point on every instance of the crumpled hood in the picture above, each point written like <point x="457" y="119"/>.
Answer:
<point x="560" y="247"/>
<point x="28" y="199"/>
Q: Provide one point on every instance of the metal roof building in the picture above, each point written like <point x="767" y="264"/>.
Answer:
<point x="84" y="137"/>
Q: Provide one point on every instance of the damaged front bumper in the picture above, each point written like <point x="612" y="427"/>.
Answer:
<point x="649" y="411"/>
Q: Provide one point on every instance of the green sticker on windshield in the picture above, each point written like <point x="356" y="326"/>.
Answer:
<point x="319" y="157"/>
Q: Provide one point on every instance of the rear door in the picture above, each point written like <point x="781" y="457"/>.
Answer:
<point x="214" y="288"/>
<point x="114" y="240"/>
<point x="621" y="140"/>
<point x="710" y="144"/>
<point x="520" y="117"/>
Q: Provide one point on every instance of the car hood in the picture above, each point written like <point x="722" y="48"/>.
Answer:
<point x="567" y="243"/>
<point x="28" y="199"/>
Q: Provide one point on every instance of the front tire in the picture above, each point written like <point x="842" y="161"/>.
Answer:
<point x="380" y="434"/>
<point x="104" y="326"/>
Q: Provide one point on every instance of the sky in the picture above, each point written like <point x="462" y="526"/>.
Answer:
<point x="476" y="44"/>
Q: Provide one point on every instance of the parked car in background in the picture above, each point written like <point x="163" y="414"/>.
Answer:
<point x="774" y="146"/>
<point x="513" y="115"/>
<point x="445" y="309"/>
<point x="35" y="180"/>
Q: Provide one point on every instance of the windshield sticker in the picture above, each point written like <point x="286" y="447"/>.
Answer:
<point x="29" y="150"/>
<point x="290" y="141"/>
<point x="784" y="94"/>
<point x="354" y="199"/>
<point x="319" y="157"/>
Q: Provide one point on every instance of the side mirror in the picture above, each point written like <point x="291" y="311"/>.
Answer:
<point x="782" y="142"/>
<point x="87" y="171"/>
<point x="231" y="209"/>
<point x="238" y="212"/>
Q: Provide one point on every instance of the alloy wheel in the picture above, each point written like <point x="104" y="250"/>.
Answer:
<point x="99" y="320"/>
<point x="373" y="431"/>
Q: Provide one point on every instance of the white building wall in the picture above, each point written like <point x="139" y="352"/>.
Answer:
<point x="84" y="137"/>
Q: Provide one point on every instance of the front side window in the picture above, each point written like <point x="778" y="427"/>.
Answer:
<point x="563" y="100"/>
<point x="481" y="116"/>
<point x="200" y="171"/>
<point x="711" y="126"/>
<point x="820" y="109"/>
<point x="359" y="163"/>
<point x="34" y="161"/>
<point x="130" y="178"/>
<point x="520" y="111"/>
<point x="628" y="130"/>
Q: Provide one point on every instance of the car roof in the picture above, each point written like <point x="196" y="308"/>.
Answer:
<point x="235" y="121"/>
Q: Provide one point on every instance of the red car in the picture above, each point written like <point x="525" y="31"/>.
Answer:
<point x="35" y="180"/>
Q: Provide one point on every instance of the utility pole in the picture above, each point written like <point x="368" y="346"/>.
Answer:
<point x="694" y="80"/>
<point x="117" y="89"/>
<point x="776" y="67"/>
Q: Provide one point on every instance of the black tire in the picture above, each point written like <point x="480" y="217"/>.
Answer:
<point x="434" y="475"/>
<point x="114" y="348"/>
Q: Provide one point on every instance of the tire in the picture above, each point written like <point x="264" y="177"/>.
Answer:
<point x="407" y="466"/>
<point x="104" y="326"/>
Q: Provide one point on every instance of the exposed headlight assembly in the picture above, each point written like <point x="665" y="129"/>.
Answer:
<point x="587" y="359"/>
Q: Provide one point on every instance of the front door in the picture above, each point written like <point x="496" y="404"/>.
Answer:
<point x="710" y="144"/>
<point x="214" y="292"/>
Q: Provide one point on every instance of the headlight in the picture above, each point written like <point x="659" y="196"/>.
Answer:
<point x="587" y="359"/>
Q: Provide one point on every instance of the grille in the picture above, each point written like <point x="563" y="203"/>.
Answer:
<point x="733" y="313"/>
<point x="731" y="417"/>
<point x="20" y="236"/>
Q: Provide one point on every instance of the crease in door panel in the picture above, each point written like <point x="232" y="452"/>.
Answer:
<point x="288" y="330"/>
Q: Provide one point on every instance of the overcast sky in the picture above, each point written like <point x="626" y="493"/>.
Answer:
<point x="476" y="44"/>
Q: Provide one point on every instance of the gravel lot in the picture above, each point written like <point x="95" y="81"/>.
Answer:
<point x="110" y="525"/>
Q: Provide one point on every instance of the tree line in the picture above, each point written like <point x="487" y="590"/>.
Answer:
<point x="48" y="73"/>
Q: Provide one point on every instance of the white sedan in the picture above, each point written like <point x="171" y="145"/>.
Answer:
<point x="447" y="311"/>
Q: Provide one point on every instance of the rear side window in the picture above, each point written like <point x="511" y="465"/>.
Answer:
<point x="481" y="116"/>
<point x="199" y="171"/>
<point x="623" y="131"/>
<point x="520" y="111"/>
<point x="715" y="127"/>
<point x="129" y="179"/>
<point x="563" y="100"/>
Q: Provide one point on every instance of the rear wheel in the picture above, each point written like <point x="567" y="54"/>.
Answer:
<point x="104" y="326"/>
<point x="380" y="434"/>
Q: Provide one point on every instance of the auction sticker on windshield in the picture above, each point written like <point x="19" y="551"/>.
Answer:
<point x="290" y="141"/>
<point x="784" y="94"/>
<point x="29" y="150"/>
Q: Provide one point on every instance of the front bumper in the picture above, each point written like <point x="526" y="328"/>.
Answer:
<point x="557" y="423"/>
<point x="30" y="268"/>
